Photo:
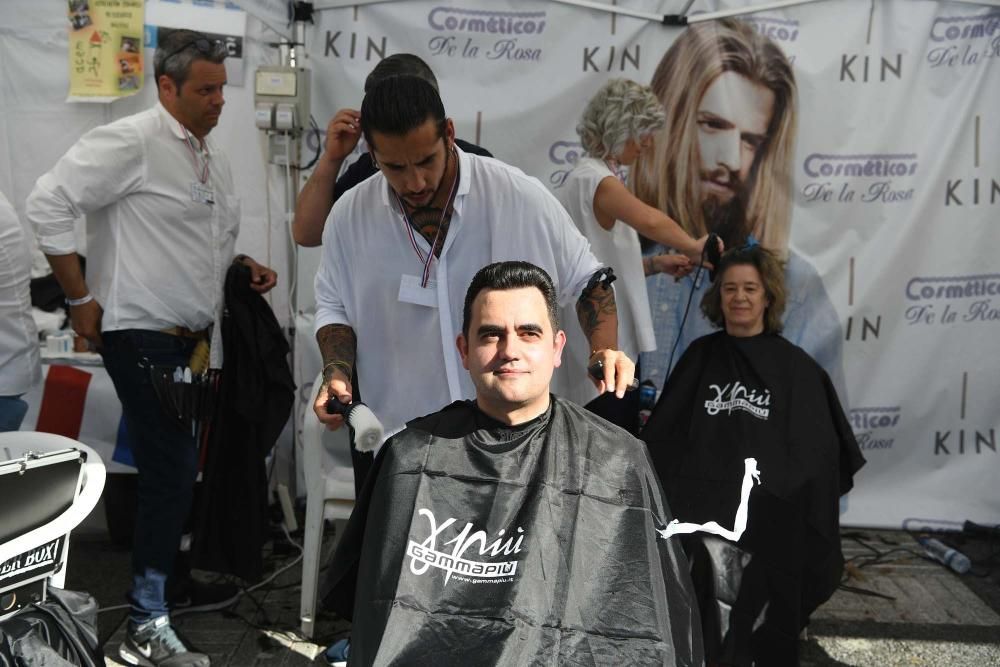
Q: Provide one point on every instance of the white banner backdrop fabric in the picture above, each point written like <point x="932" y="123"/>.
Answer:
<point x="896" y="189"/>
<point x="895" y="179"/>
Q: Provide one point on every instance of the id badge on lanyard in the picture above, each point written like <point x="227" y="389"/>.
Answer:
<point x="410" y="291"/>
<point x="202" y="194"/>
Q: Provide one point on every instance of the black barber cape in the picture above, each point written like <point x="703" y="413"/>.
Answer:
<point x="255" y="398"/>
<point x="728" y="399"/>
<point x="476" y="543"/>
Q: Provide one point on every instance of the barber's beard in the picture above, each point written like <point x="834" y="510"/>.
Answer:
<point x="728" y="219"/>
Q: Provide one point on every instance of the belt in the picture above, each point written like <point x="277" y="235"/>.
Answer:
<point x="184" y="332"/>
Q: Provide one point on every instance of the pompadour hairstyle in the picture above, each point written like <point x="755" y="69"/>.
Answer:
<point x="507" y="276"/>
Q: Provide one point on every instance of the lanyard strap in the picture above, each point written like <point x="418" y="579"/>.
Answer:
<point x="203" y="176"/>
<point x="408" y="224"/>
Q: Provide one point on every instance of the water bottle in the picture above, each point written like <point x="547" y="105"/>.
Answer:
<point x="647" y="400"/>
<point x="941" y="552"/>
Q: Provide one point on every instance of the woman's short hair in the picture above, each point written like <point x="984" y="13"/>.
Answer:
<point x="619" y="111"/>
<point x="772" y="277"/>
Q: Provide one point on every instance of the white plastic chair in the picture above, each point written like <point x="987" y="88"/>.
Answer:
<point x="329" y="480"/>
<point x="15" y="444"/>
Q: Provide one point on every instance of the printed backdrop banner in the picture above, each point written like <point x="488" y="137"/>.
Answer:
<point x="892" y="190"/>
<point x="892" y="186"/>
<point x="105" y="49"/>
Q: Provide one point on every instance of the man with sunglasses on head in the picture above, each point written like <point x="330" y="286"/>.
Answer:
<point x="162" y="218"/>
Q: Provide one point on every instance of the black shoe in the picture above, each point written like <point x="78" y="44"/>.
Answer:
<point x="155" y="644"/>
<point x="194" y="596"/>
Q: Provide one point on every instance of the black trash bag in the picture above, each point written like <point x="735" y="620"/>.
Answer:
<point x="60" y="632"/>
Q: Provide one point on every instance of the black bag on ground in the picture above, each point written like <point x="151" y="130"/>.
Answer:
<point x="60" y="632"/>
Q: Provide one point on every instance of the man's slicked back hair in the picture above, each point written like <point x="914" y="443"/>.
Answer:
<point x="400" y="104"/>
<point x="507" y="276"/>
<point x="400" y="64"/>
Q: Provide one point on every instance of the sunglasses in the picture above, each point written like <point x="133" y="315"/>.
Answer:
<point x="204" y="46"/>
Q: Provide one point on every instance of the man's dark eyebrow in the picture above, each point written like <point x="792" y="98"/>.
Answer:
<point x="715" y="117"/>
<point x="427" y="159"/>
<point x="489" y="329"/>
<point x="422" y="162"/>
<point x="760" y="138"/>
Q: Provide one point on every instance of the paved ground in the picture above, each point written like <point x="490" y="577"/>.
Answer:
<point x="927" y="616"/>
<point x="900" y="610"/>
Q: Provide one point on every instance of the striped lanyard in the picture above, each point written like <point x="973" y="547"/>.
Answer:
<point x="203" y="176"/>
<point x="408" y="224"/>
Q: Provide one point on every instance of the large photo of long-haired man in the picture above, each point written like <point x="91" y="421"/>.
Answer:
<point x="723" y="164"/>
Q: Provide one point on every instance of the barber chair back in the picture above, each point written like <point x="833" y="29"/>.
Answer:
<point x="329" y="478"/>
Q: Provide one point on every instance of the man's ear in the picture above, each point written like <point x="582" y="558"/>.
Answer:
<point x="463" y="350"/>
<point x="559" y="344"/>
<point x="449" y="132"/>
<point x="166" y="86"/>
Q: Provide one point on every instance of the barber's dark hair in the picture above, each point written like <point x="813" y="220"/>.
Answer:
<point x="400" y="64"/>
<point x="179" y="48"/>
<point x="772" y="277"/>
<point x="400" y="104"/>
<point x="506" y="276"/>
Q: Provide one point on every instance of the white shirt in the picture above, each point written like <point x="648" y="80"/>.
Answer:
<point x="19" y="366"/>
<point x="157" y="250"/>
<point x="618" y="248"/>
<point x="369" y="279"/>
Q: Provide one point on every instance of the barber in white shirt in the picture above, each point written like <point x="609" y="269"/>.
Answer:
<point x="400" y="249"/>
<point x="19" y="366"/>
<point x="162" y="219"/>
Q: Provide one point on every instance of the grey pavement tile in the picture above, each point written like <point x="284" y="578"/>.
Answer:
<point x="933" y="619"/>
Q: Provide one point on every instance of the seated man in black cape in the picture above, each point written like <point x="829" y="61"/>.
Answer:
<point x="515" y="529"/>
<point x="747" y="393"/>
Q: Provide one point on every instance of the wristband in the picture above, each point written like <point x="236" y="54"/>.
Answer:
<point x="81" y="301"/>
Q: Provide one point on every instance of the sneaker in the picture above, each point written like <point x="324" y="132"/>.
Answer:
<point x="155" y="644"/>
<point x="194" y="595"/>
<point x="338" y="653"/>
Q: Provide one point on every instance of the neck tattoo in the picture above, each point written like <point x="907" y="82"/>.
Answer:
<point x="426" y="219"/>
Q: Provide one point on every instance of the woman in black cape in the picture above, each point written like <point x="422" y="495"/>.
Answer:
<point x="746" y="392"/>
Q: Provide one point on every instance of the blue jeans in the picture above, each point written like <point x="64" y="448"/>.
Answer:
<point x="12" y="411"/>
<point x="166" y="457"/>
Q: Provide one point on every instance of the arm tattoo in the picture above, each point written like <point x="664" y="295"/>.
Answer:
<point x="595" y="308"/>
<point x="337" y="342"/>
